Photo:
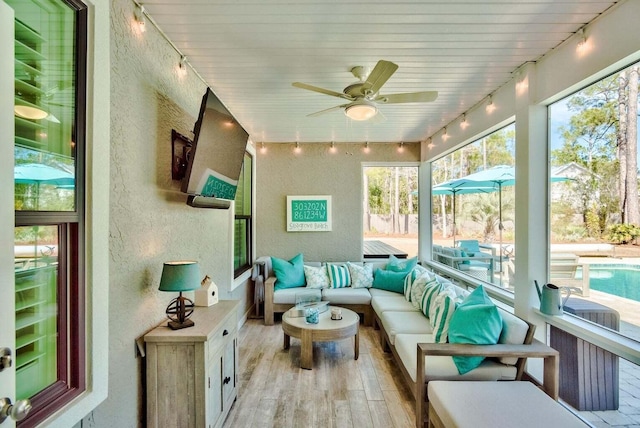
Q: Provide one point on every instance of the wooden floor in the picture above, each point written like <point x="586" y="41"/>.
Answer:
<point x="339" y="392"/>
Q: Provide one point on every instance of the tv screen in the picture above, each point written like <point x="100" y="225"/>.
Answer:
<point x="216" y="156"/>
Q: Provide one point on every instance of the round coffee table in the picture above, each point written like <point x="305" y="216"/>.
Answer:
<point x="327" y="330"/>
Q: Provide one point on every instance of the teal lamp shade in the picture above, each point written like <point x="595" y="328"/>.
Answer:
<point x="180" y="276"/>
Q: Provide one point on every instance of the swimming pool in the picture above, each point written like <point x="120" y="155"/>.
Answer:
<point x="619" y="280"/>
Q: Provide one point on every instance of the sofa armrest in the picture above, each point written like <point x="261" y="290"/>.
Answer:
<point x="536" y="349"/>
<point x="269" y="288"/>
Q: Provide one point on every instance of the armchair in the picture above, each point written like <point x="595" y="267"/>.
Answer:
<point x="529" y="349"/>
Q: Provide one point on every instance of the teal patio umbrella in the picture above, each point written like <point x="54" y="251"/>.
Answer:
<point x="446" y="188"/>
<point x="37" y="174"/>
<point x="496" y="177"/>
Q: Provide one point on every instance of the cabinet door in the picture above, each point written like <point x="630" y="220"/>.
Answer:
<point x="214" y="400"/>
<point x="229" y="371"/>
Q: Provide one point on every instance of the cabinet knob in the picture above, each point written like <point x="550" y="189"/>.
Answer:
<point x="227" y="380"/>
<point x="225" y="332"/>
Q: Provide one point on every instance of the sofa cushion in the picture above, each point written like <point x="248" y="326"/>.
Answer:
<point x="289" y="274"/>
<point x="361" y="276"/>
<point x="316" y="277"/>
<point x="443" y="368"/>
<point x="401" y="265"/>
<point x="404" y="322"/>
<point x="392" y="302"/>
<point x="514" y="331"/>
<point x="347" y="296"/>
<point x="377" y="292"/>
<point x="338" y="275"/>
<point x="288" y="295"/>
<point x="475" y="321"/>
<point x="389" y="280"/>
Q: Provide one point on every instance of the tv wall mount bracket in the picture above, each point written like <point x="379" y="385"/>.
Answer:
<point x="180" y="151"/>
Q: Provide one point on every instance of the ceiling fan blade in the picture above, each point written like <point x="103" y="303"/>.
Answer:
<point x="379" y="76"/>
<point x="318" y="113"/>
<point x="409" y="97"/>
<point x="322" y="90"/>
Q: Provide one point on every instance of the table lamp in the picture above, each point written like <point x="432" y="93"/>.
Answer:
<point x="180" y="276"/>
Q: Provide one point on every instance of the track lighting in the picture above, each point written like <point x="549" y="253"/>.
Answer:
<point x="366" y="147"/>
<point x="401" y="147"/>
<point x="581" y="47"/>
<point x="297" y="149"/>
<point x="445" y="135"/>
<point x="141" y="19"/>
<point x="464" y="124"/>
<point x="490" y="108"/>
<point x="182" y="67"/>
<point x="430" y="145"/>
<point x="332" y="149"/>
<point x="263" y="149"/>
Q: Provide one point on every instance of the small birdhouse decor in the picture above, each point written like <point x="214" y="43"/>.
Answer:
<point x="207" y="294"/>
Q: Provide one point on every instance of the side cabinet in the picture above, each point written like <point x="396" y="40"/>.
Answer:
<point x="192" y="373"/>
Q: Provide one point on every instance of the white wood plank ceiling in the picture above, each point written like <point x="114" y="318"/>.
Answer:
<point x="251" y="51"/>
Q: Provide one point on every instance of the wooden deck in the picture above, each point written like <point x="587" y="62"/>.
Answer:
<point x="381" y="250"/>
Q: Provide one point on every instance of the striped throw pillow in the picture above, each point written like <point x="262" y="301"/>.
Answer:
<point x="409" y="283"/>
<point x="440" y="316"/>
<point x="417" y="289"/>
<point x="429" y="296"/>
<point x="338" y="276"/>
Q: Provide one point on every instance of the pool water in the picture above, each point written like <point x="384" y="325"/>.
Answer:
<point x="619" y="280"/>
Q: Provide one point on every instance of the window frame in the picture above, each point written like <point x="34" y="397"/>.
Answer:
<point x="248" y="219"/>
<point x="71" y="316"/>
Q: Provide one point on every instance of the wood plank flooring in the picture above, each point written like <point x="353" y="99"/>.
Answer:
<point x="339" y="392"/>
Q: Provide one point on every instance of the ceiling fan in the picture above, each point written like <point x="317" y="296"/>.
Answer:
<point x="364" y="95"/>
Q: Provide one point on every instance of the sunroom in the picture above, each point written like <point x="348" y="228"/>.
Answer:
<point x="539" y="94"/>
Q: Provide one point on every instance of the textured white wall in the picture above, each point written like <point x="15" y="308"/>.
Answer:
<point x="317" y="171"/>
<point x="149" y="221"/>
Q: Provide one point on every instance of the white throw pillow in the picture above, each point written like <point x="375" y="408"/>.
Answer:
<point x="316" y="277"/>
<point x="361" y="276"/>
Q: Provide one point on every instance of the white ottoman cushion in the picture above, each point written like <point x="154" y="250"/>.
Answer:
<point x="497" y="404"/>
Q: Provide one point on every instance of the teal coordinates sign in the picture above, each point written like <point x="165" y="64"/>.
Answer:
<point x="308" y="213"/>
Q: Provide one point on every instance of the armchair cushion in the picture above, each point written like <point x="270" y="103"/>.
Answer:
<point x="443" y="367"/>
<point x="289" y="274"/>
<point x="476" y="321"/>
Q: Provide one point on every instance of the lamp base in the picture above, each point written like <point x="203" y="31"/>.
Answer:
<point x="176" y="325"/>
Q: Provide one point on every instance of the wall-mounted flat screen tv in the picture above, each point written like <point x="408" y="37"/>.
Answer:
<point x="215" y="159"/>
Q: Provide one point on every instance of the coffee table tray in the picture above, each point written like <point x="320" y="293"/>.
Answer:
<point x="298" y="310"/>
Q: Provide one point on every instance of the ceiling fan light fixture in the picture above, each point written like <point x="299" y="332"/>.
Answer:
<point x="361" y="110"/>
<point x="27" y="112"/>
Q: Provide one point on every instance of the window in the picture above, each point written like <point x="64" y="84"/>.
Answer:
<point x="594" y="214"/>
<point x="473" y="208"/>
<point x="390" y="224"/>
<point x="50" y="82"/>
<point x="242" y="223"/>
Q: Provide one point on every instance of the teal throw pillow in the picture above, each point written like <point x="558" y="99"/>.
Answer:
<point x="289" y="274"/>
<point x="463" y="254"/>
<point x="399" y="265"/>
<point x="477" y="321"/>
<point x="390" y="281"/>
<point x="339" y="276"/>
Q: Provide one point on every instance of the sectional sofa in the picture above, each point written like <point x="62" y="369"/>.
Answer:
<point x="412" y="328"/>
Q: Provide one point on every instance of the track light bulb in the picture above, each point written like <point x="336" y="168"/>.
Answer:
<point x="140" y="19"/>
<point x="490" y="107"/>
<point x="464" y="124"/>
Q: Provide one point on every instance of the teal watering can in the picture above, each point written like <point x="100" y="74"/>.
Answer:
<point x="551" y="301"/>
